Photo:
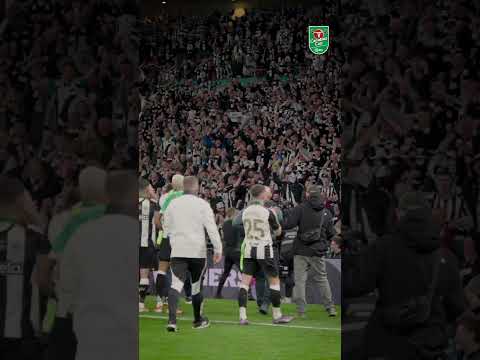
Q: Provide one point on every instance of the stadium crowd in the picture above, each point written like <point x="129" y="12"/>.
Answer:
<point x="67" y="94"/>
<point x="409" y="110"/>
<point x="238" y="102"/>
<point x="68" y="100"/>
<point x="411" y="123"/>
<point x="258" y="107"/>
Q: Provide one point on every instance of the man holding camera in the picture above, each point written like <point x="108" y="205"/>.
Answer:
<point x="315" y="230"/>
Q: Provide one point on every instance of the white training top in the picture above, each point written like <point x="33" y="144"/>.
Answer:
<point x="186" y="219"/>
<point x="100" y="263"/>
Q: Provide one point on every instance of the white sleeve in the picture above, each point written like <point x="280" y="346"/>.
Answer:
<point x="166" y="221"/>
<point x="211" y="227"/>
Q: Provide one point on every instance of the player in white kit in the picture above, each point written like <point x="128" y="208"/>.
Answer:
<point x="258" y="252"/>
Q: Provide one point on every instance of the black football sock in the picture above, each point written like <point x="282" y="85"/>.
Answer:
<point x="275" y="297"/>
<point x="173" y="296"/>
<point x="143" y="290"/>
<point x="160" y="285"/>
<point x="242" y="298"/>
<point x="221" y="283"/>
<point x="197" y="301"/>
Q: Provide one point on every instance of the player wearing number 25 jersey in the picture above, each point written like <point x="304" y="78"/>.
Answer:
<point x="258" y="222"/>
<point x="257" y="252"/>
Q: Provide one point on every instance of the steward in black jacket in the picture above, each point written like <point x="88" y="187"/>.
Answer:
<point x="310" y="215"/>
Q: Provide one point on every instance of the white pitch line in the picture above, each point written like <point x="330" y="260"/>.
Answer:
<point x="251" y="323"/>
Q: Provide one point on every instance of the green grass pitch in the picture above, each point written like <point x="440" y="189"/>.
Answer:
<point x="317" y="337"/>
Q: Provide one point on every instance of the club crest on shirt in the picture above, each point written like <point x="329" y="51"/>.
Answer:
<point x="318" y="39"/>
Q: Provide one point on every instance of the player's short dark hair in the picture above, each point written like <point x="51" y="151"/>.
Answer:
<point x="257" y="190"/>
<point x="10" y="190"/>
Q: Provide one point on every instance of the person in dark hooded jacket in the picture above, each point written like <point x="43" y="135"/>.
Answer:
<point x="315" y="230"/>
<point x="418" y="286"/>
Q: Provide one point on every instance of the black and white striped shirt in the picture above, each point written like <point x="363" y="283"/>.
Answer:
<point x="454" y="205"/>
<point x="228" y="196"/>
<point x="258" y="223"/>
<point x="146" y="213"/>
<point x="329" y="191"/>
<point x="19" y="307"/>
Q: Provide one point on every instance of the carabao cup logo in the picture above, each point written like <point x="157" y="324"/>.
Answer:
<point x="318" y="39"/>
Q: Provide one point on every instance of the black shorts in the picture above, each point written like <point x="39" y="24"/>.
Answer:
<point x="164" y="250"/>
<point x="148" y="258"/>
<point x="62" y="342"/>
<point x="232" y="258"/>
<point x="269" y="266"/>
<point x="181" y="266"/>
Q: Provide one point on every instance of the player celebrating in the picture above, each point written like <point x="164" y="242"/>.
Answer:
<point x="257" y="252"/>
